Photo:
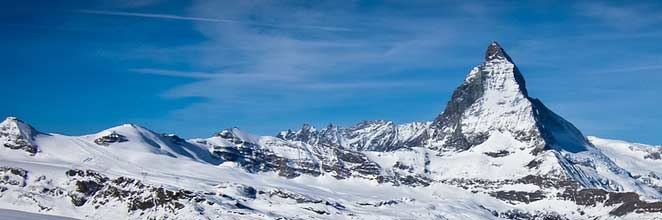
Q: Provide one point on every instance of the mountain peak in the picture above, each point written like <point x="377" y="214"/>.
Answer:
<point x="307" y="127"/>
<point x="18" y="135"/>
<point x="12" y="120"/>
<point x="496" y="52"/>
<point x="494" y="99"/>
<point x="19" y="126"/>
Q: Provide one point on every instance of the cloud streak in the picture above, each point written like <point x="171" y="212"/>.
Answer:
<point x="173" y="73"/>
<point x="624" y="17"/>
<point x="207" y="19"/>
<point x="631" y="69"/>
<point x="309" y="62"/>
<point x="236" y="77"/>
<point x="272" y="60"/>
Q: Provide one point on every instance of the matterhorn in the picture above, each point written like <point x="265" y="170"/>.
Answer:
<point x="494" y="152"/>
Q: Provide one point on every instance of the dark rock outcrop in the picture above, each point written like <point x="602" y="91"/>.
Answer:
<point x="256" y="158"/>
<point x="113" y="137"/>
<point x="17" y="135"/>
<point x="501" y="77"/>
<point x="520" y="196"/>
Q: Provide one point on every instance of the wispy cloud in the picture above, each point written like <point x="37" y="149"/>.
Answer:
<point x="207" y="19"/>
<point x="54" y="27"/>
<point x="236" y="77"/>
<point x="135" y="3"/>
<point x="327" y="54"/>
<point x="367" y="85"/>
<point x="624" y="16"/>
<point x="630" y="69"/>
<point x="173" y="73"/>
<point x="292" y="83"/>
<point x="229" y="62"/>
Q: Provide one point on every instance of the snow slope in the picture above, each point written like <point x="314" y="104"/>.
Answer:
<point x="18" y="215"/>
<point x="643" y="161"/>
<point x="159" y="168"/>
<point x="494" y="153"/>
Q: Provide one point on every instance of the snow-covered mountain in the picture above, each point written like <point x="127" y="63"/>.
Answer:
<point x="493" y="153"/>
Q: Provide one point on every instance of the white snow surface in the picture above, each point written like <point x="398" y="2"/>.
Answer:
<point x="503" y="106"/>
<point x="504" y="113"/>
<point x="139" y="158"/>
<point x="19" y="215"/>
<point x="148" y="157"/>
<point x="515" y="127"/>
<point x="636" y="158"/>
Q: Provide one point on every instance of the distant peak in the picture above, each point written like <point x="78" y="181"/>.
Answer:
<point x="228" y="132"/>
<point x="128" y="125"/>
<point x="495" y="51"/>
<point x="375" y="122"/>
<point x="16" y="134"/>
<point x="19" y="124"/>
<point x="306" y="126"/>
<point x="12" y="119"/>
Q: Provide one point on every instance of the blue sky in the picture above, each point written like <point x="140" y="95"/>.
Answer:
<point x="193" y="68"/>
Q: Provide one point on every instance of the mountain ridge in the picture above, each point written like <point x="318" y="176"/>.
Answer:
<point x="498" y="152"/>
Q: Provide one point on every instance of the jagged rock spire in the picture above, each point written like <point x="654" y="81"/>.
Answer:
<point x="495" y="51"/>
<point x="493" y="98"/>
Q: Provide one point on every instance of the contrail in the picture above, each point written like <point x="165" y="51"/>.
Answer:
<point x="631" y="69"/>
<point x="214" y="20"/>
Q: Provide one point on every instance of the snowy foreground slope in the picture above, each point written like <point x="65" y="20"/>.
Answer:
<point x="493" y="153"/>
<point x="19" y="215"/>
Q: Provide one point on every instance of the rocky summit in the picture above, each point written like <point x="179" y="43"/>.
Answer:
<point x="493" y="98"/>
<point x="493" y="153"/>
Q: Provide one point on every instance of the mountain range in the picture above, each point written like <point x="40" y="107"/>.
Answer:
<point x="493" y="153"/>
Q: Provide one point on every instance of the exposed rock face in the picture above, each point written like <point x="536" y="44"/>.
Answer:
<point x="88" y="189"/>
<point x="654" y="156"/>
<point x="379" y="135"/>
<point x="260" y="154"/>
<point x="17" y="135"/>
<point x="558" y="133"/>
<point x="113" y="137"/>
<point x="12" y="176"/>
<point x="385" y="135"/>
<point x="523" y="215"/>
<point x="492" y="141"/>
<point x="96" y="190"/>
<point x="494" y="98"/>
<point x="308" y="152"/>
<point x="624" y="202"/>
